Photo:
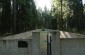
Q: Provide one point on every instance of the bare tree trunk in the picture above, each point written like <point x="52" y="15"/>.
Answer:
<point x="14" y="17"/>
<point x="61" y="19"/>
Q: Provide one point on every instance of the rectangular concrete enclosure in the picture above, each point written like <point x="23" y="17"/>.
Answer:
<point x="62" y="43"/>
<point x="67" y="43"/>
<point x="21" y="44"/>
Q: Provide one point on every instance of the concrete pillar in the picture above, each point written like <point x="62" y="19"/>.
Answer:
<point x="55" y="43"/>
<point x="36" y="43"/>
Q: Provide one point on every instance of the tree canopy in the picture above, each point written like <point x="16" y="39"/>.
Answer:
<point x="22" y="15"/>
<point x="69" y="14"/>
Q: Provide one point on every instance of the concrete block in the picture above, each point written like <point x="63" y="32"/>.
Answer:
<point x="55" y="43"/>
<point x="36" y="43"/>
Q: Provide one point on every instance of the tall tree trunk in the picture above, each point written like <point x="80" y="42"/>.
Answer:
<point x="14" y="17"/>
<point x="61" y="19"/>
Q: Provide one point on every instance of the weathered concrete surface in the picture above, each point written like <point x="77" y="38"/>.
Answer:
<point x="24" y="35"/>
<point x="64" y="34"/>
<point x="55" y="43"/>
<point x="28" y="35"/>
<point x="65" y="43"/>
<point x="10" y="47"/>
<point x="73" y="46"/>
<point x="43" y="43"/>
<point x="36" y="43"/>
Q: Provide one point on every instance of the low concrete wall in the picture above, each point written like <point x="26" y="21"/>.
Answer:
<point x="72" y="46"/>
<point x="10" y="47"/>
<point x="69" y="45"/>
<point x="60" y="46"/>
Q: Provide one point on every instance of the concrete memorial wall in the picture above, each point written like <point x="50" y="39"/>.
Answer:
<point x="59" y="46"/>
<point x="15" y="47"/>
<point x="74" y="45"/>
<point x="21" y="45"/>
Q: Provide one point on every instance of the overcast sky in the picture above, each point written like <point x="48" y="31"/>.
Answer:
<point x="43" y="3"/>
<point x="83" y="1"/>
<point x="47" y="3"/>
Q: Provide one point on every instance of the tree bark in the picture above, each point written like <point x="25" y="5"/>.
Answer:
<point x="14" y="17"/>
